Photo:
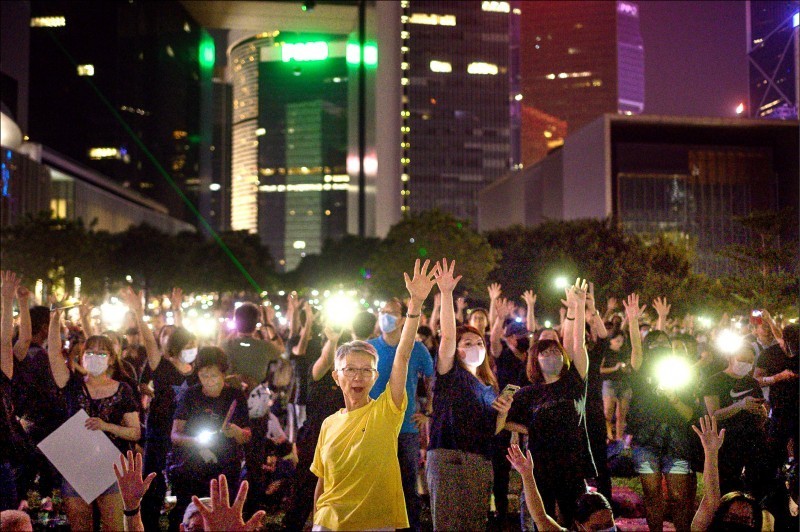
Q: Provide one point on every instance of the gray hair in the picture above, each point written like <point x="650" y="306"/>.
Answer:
<point x="356" y="346"/>
<point x="192" y="509"/>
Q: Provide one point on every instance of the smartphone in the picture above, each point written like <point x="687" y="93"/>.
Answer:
<point x="510" y="390"/>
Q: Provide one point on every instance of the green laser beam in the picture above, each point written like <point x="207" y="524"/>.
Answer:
<point x="161" y="170"/>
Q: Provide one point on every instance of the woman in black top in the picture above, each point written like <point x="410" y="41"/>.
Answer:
<point x="111" y="407"/>
<point x="616" y="369"/>
<point x="552" y="411"/>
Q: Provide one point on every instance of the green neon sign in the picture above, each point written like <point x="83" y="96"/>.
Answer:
<point x="353" y="54"/>
<point x="304" y="51"/>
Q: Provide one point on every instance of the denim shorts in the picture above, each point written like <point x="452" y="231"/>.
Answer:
<point x="617" y="390"/>
<point x="649" y="461"/>
<point x="68" y="491"/>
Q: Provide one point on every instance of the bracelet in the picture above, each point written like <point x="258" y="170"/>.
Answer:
<point x="131" y="513"/>
<point x="570" y="319"/>
<point x="412" y="315"/>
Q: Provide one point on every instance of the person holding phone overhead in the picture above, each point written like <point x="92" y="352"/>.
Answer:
<point x="466" y="408"/>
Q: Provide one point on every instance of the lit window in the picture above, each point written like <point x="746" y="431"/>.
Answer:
<point x="496" y="7"/>
<point x="86" y="70"/>
<point x="518" y="97"/>
<point x="441" y="66"/>
<point x="516" y="11"/>
<point x="48" y="22"/>
<point x="261" y="131"/>
<point x="179" y="134"/>
<point x="213" y="187"/>
<point x="104" y="153"/>
<point x="170" y="51"/>
<point x="482" y="68"/>
<point x="432" y="20"/>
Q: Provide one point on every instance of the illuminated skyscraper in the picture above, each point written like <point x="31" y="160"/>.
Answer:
<point x="773" y="52"/>
<point x="460" y="103"/>
<point x="582" y="59"/>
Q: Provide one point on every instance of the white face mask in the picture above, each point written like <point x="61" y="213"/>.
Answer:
<point x="387" y="323"/>
<point x="740" y="369"/>
<point x="188" y="355"/>
<point x="95" y="365"/>
<point x="474" y="355"/>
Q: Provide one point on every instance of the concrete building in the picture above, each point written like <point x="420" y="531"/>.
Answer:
<point x="689" y="177"/>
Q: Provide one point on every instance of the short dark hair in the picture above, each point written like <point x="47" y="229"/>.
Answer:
<point x="403" y="307"/>
<point x="246" y="317"/>
<point x="40" y="317"/>
<point x="589" y="503"/>
<point x="364" y="324"/>
<point x="791" y="338"/>
<point x="211" y="356"/>
<point x="725" y="503"/>
<point x="533" y="370"/>
<point x="177" y="341"/>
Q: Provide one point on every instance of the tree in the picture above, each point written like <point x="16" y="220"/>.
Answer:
<point x="341" y="262"/>
<point x="430" y="235"/>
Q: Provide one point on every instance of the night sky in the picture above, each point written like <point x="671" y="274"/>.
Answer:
<point x="695" y="57"/>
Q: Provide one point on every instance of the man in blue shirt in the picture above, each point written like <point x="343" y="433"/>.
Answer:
<point x="390" y="321"/>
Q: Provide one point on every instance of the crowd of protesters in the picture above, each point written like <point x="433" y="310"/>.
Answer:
<point x="344" y="428"/>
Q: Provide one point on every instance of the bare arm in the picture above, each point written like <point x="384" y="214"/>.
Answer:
<point x="418" y="287"/>
<point x="593" y="318"/>
<point x="434" y="323"/>
<point x="293" y="313"/>
<point x="305" y="333"/>
<point x="178" y="436"/>
<point x="175" y="300"/>
<point x="58" y="366"/>
<point x="85" y="312"/>
<point x="317" y="492"/>
<point x="25" y="333"/>
<point x="447" y="347"/>
<point x="524" y="465"/>
<point x="579" y="355"/>
<point x="568" y="327"/>
<point x="530" y="313"/>
<point x="633" y="311"/>
<point x="325" y="361"/>
<point x="130" y="430"/>
<point x="712" y="441"/>
<point x="662" y="309"/>
<point x="10" y="283"/>
<point x="494" y="293"/>
<point x="134" y="302"/>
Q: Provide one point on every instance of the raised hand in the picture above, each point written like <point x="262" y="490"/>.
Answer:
<point x="10" y="284"/>
<point x="445" y="280"/>
<point x="709" y="436"/>
<point x="461" y="302"/>
<point x="523" y="463"/>
<point x="529" y="297"/>
<point x="175" y="299"/>
<point x="503" y="309"/>
<point x="221" y="515"/>
<point x="419" y="286"/>
<point x="291" y="303"/>
<point x="133" y="300"/>
<point x="612" y="304"/>
<point x="632" y="309"/>
<point x="332" y="335"/>
<point x="662" y="307"/>
<point x="590" y="302"/>
<point x="129" y="478"/>
<point x="23" y="294"/>
<point x="494" y="291"/>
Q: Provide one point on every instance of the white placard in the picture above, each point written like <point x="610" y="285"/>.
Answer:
<point x="84" y="457"/>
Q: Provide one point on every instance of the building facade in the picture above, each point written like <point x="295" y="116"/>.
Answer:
<point x="124" y="88"/>
<point x="460" y="102"/>
<point x="773" y="52"/>
<point x="688" y="177"/>
<point x="582" y="59"/>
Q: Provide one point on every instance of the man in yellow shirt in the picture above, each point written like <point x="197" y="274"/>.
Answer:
<point x="359" y="485"/>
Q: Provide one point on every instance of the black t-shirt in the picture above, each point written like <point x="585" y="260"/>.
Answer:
<point x="509" y="368"/>
<point x="37" y="398"/>
<point x="324" y="399"/>
<point x="652" y="420"/>
<point x="201" y="412"/>
<point x="729" y="390"/>
<point x="167" y="381"/>
<point x="302" y="366"/>
<point x="782" y="395"/>
<point x="555" y="415"/>
<point x="111" y="409"/>
<point x="463" y="418"/>
<point x="13" y="440"/>
<point x="610" y="359"/>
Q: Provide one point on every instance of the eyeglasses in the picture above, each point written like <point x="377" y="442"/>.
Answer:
<point x="95" y="354"/>
<point x="351" y="373"/>
<point x="550" y="353"/>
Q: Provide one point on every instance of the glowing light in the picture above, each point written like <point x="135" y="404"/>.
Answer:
<point x="353" y="54"/>
<point x="340" y="310"/>
<point x="518" y="97"/>
<point x="496" y="7"/>
<point x="260" y="131"/>
<point x="213" y="187"/>
<point x="299" y="244"/>
<point x="729" y="341"/>
<point x="205" y="437"/>
<point x="113" y="313"/>
<point x="304" y="51"/>
<point x="86" y="70"/>
<point x="561" y="282"/>
<point x="104" y="153"/>
<point x="796" y="20"/>
<point x="206" y="53"/>
<point x="548" y="323"/>
<point x="740" y="108"/>
<point x="704" y="321"/>
<point x="441" y="66"/>
<point x="482" y="68"/>
<point x="48" y="22"/>
<point x="672" y="373"/>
